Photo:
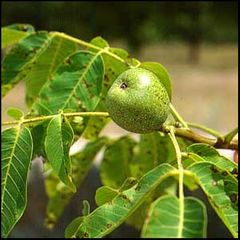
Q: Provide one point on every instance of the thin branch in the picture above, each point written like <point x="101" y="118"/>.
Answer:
<point x="43" y="118"/>
<point x="197" y="138"/>
<point x="229" y="136"/>
<point x="206" y="129"/>
<point x="177" y="116"/>
<point x="180" y="132"/>
<point x="89" y="45"/>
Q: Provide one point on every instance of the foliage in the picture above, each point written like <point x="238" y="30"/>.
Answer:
<point x="67" y="80"/>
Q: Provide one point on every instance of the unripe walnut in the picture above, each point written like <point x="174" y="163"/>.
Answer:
<point x="137" y="101"/>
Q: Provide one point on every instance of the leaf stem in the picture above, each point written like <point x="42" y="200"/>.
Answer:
<point x="180" y="132"/>
<point x="177" y="116"/>
<point x="180" y="182"/>
<point x="206" y="129"/>
<point x="42" y="118"/>
<point x="89" y="45"/>
<point x="229" y="136"/>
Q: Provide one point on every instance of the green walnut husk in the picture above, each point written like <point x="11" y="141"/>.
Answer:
<point x="137" y="101"/>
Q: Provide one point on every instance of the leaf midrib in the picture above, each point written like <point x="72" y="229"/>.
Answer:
<point x="82" y="76"/>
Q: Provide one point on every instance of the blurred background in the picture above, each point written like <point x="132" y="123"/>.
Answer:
<point x="196" y="41"/>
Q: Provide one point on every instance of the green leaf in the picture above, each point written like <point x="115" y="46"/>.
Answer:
<point x="72" y="227"/>
<point x="109" y="216"/>
<point x="99" y="42"/>
<point x="46" y="64"/>
<point x="152" y="150"/>
<point x="221" y="190"/>
<point x="105" y="194"/>
<point x="113" y="68"/>
<point x="58" y="140"/>
<point x="59" y="194"/>
<point x="165" y="221"/>
<point x="161" y="72"/>
<point x="18" y="62"/>
<point x="12" y="34"/>
<point x="16" y="156"/>
<point x="120" y="52"/>
<point x="114" y="168"/>
<point x="76" y="85"/>
<point x="21" y="27"/>
<point x="15" y="113"/>
<point x="38" y="132"/>
<point x="210" y="154"/>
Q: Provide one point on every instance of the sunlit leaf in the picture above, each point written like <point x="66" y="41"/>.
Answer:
<point x="58" y="193"/>
<point x="17" y="150"/>
<point x="105" y="194"/>
<point x="210" y="154"/>
<point x="221" y="190"/>
<point x="15" y="113"/>
<point x="76" y="85"/>
<point x="12" y="34"/>
<point x="113" y="68"/>
<point x="110" y="215"/>
<point x="168" y="218"/>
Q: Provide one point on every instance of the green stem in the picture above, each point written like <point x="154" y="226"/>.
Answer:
<point x="180" y="176"/>
<point x="89" y="45"/>
<point x="180" y="132"/>
<point x="42" y="118"/>
<point x="206" y="129"/>
<point x="177" y="116"/>
<point x="229" y="136"/>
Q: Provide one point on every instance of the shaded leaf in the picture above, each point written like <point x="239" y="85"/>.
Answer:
<point x="58" y="140"/>
<point x="152" y="150"/>
<point x="221" y="190"/>
<point x="58" y="193"/>
<point x="165" y="221"/>
<point x="38" y="132"/>
<point x="76" y="85"/>
<point x="16" y="157"/>
<point x="114" y="168"/>
<point x="109" y="216"/>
